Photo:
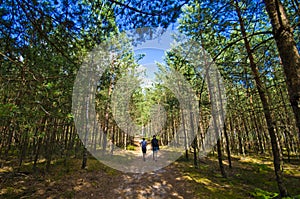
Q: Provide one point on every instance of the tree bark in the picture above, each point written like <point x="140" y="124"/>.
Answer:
<point x="84" y="158"/>
<point x="289" y="54"/>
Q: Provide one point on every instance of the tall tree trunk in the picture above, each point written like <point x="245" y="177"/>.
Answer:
<point x="24" y="145"/>
<point x="185" y="137"/>
<point x="259" y="142"/>
<point x="194" y="133"/>
<point x="223" y="120"/>
<point x="267" y="113"/>
<point x="107" y="110"/>
<point x="288" y="52"/>
<point x="112" y="143"/>
<point x="220" y="159"/>
<point x="84" y="158"/>
<point x="38" y="141"/>
<point x="216" y="123"/>
<point x="227" y="146"/>
<point x="241" y="147"/>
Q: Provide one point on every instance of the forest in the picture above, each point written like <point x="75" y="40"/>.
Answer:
<point x="223" y="101"/>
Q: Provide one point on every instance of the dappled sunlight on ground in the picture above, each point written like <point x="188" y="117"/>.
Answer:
<point x="157" y="184"/>
<point x="6" y="169"/>
<point x="255" y="160"/>
<point x="178" y="180"/>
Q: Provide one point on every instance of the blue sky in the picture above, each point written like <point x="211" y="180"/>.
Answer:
<point x="154" y="51"/>
<point x="152" y="55"/>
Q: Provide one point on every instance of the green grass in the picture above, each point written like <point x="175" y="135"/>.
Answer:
<point x="250" y="177"/>
<point x="262" y="194"/>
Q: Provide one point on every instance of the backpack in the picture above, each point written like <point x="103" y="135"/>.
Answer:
<point x="144" y="144"/>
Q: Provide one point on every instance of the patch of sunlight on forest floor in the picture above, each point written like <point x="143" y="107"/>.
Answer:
<point x="250" y="177"/>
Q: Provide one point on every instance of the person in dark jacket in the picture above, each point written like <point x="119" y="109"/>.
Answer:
<point x="155" y="147"/>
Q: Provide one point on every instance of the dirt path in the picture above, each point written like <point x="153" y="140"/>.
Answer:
<point x="166" y="182"/>
<point x="131" y="161"/>
<point x="102" y="182"/>
<point x="163" y="183"/>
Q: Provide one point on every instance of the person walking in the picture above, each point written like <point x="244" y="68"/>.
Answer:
<point x="144" y="148"/>
<point x="155" y="147"/>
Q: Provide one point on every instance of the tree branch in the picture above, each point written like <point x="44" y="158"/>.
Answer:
<point x="144" y="12"/>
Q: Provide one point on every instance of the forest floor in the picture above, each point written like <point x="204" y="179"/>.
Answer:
<point x="250" y="177"/>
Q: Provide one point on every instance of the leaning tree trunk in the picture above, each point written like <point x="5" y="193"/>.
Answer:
<point x="266" y="108"/>
<point x="290" y="58"/>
